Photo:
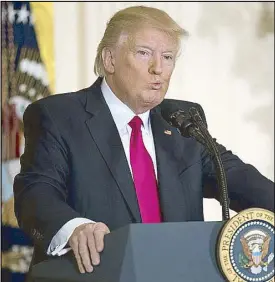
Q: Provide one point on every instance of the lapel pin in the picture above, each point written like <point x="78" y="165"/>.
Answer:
<point x="168" y="132"/>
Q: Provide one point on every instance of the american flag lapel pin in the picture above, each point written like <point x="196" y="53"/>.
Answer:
<point x="168" y="132"/>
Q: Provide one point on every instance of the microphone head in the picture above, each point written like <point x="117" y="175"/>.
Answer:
<point x="182" y="121"/>
<point x="188" y="123"/>
<point x="194" y="113"/>
<point x="178" y="118"/>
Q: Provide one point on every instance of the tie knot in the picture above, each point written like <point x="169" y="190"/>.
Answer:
<point x="136" y="123"/>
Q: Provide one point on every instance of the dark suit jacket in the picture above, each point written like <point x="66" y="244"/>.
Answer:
<point x="74" y="165"/>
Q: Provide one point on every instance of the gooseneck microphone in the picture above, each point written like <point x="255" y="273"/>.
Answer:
<point x="191" y="124"/>
<point x="185" y="125"/>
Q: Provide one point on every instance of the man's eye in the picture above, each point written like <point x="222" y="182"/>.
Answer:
<point x="168" y="57"/>
<point x="143" y="53"/>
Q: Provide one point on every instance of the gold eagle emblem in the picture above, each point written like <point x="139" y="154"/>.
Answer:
<point x="255" y="246"/>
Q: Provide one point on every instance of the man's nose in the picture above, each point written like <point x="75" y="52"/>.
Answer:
<point x="155" y="66"/>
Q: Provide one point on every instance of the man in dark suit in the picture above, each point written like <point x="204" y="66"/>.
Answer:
<point x="104" y="157"/>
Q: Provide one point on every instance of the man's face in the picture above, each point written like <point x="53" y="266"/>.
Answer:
<point x="142" y="66"/>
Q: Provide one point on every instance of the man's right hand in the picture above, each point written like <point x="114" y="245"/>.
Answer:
<point x="87" y="242"/>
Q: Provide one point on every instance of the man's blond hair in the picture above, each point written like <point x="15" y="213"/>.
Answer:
<point x="130" y="20"/>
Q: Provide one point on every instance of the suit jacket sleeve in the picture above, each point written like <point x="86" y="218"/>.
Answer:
<point x="247" y="187"/>
<point x="40" y="187"/>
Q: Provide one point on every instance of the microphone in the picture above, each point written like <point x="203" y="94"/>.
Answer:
<point x="185" y="125"/>
<point x="191" y="124"/>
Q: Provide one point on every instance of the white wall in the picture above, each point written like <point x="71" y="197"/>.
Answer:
<point x="227" y="66"/>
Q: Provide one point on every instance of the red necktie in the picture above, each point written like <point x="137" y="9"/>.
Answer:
<point x="144" y="175"/>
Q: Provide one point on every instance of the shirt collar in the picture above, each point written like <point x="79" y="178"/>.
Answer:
<point x="121" y="113"/>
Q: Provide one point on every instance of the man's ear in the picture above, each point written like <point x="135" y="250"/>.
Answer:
<point x="108" y="60"/>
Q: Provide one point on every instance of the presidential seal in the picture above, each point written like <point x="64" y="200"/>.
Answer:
<point x="245" y="250"/>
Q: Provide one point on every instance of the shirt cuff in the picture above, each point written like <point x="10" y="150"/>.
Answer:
<point x="60" y="240"/>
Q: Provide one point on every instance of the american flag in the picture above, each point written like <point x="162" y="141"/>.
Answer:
<point x="24" y="80"/>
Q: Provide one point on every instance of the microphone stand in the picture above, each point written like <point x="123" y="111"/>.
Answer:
<point x="216" y="157"/>
<point x="193" y="125"/>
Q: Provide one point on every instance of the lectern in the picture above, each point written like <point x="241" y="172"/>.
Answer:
<point x="166" y="252"/>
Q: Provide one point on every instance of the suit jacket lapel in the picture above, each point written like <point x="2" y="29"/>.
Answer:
<point x="104" y="133"/>
<point x="173" y="196"/>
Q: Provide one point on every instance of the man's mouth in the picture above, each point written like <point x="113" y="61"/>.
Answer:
<point x="156" y="86"/>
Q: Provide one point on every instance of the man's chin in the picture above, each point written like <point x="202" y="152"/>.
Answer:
<point x="152" y="103"/>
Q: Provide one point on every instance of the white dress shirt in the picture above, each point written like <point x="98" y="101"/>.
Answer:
<point x="122" y="115"/>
